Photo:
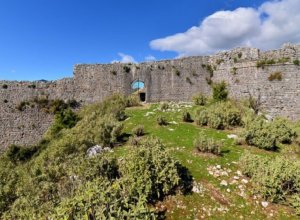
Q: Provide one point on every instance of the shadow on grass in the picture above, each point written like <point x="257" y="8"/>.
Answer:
<point x="224" y="152"/>
<point x="186" y="179"/>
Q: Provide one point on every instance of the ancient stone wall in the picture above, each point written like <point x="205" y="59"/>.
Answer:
<point x="168" y="80"/>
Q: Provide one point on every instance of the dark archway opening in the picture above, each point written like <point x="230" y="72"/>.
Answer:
<point x="142" y="96"/>
<point x="138" y="88"/>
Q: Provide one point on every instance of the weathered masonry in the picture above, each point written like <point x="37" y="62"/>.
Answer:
<point x="274" y="76"/>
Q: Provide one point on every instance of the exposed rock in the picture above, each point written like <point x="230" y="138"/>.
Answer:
<point x="224" y="183"/>
<point x="264" y="204"/>
<point x="97" y="149"/>
<point x="232" y="136"/>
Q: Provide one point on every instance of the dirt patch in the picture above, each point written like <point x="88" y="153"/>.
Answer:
<point x="202" y="154"/>
<point x="216" y="194"/>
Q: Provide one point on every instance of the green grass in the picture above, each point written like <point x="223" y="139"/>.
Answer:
<point x="179" y="137"/>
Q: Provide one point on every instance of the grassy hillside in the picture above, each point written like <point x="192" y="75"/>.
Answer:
<point x="159" y="174"/>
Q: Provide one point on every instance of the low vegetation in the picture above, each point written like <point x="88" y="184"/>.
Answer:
<point x="276" y="179"/>
<point x="267" y="135"/>
<point x="220" y="92"/>
<point x="180" y="171"/>
<point x="219" y="115"/>
<point x="275" y="76"/>
<point x="204" y="144"/>
<point x="139" y="130"/>
<point x="199" y="99"/>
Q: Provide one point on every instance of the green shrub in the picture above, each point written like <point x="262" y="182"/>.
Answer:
<point x="209" y="80"/>
<point x="267" y="135"/>
<point x="275" y="76"/>
<point x="234" y="70"/>
<point x="4" y="86"/>
<point x="132" y="100"/>
<point x="219" y="61"/>
<point x="64" y="119"/>
<point x="186" y="116"/>
<point x="115" y="106"/>
<point x="188" y="80"/>
<point x="17" y="153"/>
<point x="296" y="62"/>
<point x="110" y="131"/>
<point x="32" y="86"/>
<point x="207" y="145"/>
<point x="259" y="134"/>
<point x="22" y="106"/>
<point x="220" y="91"/>
<point x="126" y="69"/>
<point x="283" y="131"/>
<point x="283" y="60"/>
<point x="134" y="141"/>
<point x="164" y="106"/>
<point x="161" y="120"/>
<point x="219" y="115"/>
<point x="276" y="179"/>
<point x="177" y="72"/>
<point x="113" y="72"/>
<point x="210" y="69"/>
<point x="138" y="130"/>
<point x="150" y="171"/>
<point x="202" y="117"/>
<point x="199" y="99"/>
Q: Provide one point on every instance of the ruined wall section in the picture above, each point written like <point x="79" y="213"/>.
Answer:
<point x="245" y="78"/>
<point x="175" y="80"/>
<point x="24" y="128"/>
<point x="27" y="127"/>
<point x="169" y="80"/>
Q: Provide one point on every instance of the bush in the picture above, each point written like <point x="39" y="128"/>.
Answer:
<point x="177" y="72"/>
<point x="161" y="121"/>
<point x="275" y="76"/>
<point x="267" y="135"/>
<point x="20" y="154"/>
<point x="283" y="131"/>
<point x="150" y="172"/>
<point x="138" y="130"/>
<point x="4" y="86"/>
<point x="115" y="106"/>
<point x="188" y="80"/>
<point x="219" y="115"/>
<point x="186" y="116"/>
<point x="202" y="117"/>
<point x="126" y="69"/>
<point x="110" y="131"/>
<point x="134" y="141"/>
<point x="64" y="119"/>
<point x="22" y="106"/>
<point x="207" y="145"/>
<point x="164" y="106"/>
<point x="296" y="62"/>
<point x="276" y="179"/>
<point x="132" y="100"/>
<point x="32" y="86"/>
<point x="220" y="91"/>
<point x="259" y="134"/>
<point x="199" y="99"/>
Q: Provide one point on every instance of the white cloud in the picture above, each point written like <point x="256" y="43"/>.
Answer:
<point x="150" y="58"/>
<point x="125" y="58"/>
<point x="267" y="27"/>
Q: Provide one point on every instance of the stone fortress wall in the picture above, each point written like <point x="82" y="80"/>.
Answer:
<point x="167" y="80"/>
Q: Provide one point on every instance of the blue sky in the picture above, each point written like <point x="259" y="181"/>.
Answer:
<point x="43" y="39"/>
